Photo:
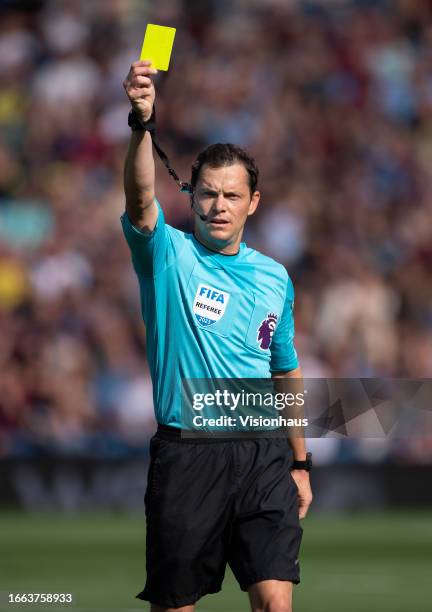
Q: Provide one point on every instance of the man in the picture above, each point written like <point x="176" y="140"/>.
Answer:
<point x="212" y="501"/>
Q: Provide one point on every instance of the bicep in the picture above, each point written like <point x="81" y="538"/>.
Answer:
<point x="153" y="252"/>
<point x="148" y="247"/>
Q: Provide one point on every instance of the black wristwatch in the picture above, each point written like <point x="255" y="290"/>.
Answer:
<point x="135" y="123"/>
<point x="303" y="465"/>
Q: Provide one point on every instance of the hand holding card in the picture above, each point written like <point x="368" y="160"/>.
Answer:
<point x="155" y="55"/>
<point x="140" y="89"/>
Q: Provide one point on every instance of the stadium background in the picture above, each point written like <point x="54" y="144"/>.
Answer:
<point x="334" y="99"/>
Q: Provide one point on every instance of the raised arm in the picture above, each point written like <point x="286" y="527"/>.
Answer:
<point x="139" y="169"/>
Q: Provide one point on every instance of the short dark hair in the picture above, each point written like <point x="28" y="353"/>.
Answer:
<point x="225" y="154"/>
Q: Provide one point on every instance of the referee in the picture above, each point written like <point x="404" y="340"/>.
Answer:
<point x="212" y="501"/>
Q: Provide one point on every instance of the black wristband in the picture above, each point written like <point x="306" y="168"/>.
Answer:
<point x="303" y="465"/>
<point x="136" y="124"/>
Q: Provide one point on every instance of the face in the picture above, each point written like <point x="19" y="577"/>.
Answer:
<point x="223" y="196"/>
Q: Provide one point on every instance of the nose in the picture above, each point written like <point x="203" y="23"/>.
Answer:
<point x="219" y="203"/>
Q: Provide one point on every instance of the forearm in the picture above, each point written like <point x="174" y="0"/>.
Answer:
<point x="139" y="177"/>
<point x="298" y="446"/>
<point x="296" y="439"/>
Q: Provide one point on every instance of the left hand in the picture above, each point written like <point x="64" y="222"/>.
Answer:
<point x="301" y="478"/>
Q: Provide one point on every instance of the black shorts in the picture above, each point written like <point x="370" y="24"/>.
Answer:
<point x="213" y="501"/>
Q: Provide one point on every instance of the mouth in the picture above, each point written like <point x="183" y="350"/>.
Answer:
<point x="218" y="222"/>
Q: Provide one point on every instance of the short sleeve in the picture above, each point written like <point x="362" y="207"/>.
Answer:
<point x="283" y="353"/>
<point x="149" y="251"/>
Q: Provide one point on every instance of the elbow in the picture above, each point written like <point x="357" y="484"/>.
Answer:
<point x="137" y="204"/>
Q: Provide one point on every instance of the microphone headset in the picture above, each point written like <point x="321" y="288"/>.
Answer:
<point x="150" y="126"/>
<point x="187" y="188"/>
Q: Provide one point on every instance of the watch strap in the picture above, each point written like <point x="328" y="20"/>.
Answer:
<point x="303" y="465"/>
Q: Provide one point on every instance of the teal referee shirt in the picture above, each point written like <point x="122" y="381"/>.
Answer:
<point x="208" y="315"/>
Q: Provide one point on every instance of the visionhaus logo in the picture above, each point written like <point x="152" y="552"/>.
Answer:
<point x="248" y="421"/>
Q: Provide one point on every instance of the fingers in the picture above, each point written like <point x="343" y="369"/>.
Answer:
<point x="138" y="82"/>
<point x="142" y="67"/>
<point x="304" y="491"/>
<point x="141" y="63"/>
<point x="303" y="510"/>
<point x="138" y="86"/>
<point x="304" y="501"/>
<point x="137" y="94"/>
<point x="141" y="81"/>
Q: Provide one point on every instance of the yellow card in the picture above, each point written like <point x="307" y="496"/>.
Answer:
<point x="157" y="45"/>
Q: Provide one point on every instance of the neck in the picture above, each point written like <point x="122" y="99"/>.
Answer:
<point x="231" y="248"/>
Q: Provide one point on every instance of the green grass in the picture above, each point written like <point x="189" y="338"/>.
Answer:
<point x="358" y="563"/>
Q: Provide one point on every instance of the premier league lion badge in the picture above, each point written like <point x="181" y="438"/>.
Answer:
<point x="266" y="331"/>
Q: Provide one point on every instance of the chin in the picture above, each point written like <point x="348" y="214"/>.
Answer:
<point x="220" y="236"/>
<point x="222" y="230"/>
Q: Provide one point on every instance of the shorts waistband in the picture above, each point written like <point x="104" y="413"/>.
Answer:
<point x="167" y="432"/>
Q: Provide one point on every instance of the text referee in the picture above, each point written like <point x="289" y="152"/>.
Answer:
<point x="212" y="501"/>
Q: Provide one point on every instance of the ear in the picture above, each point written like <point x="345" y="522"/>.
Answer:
<point x="254" y="202"/>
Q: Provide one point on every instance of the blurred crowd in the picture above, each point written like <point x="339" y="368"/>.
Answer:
<point x="334" y="100"/>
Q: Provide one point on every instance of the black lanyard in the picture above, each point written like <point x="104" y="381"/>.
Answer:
<point x="184" y="187"/>
<point x="150" y="126"/>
